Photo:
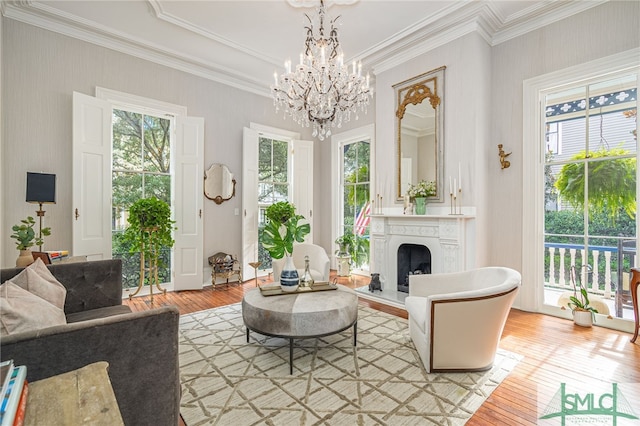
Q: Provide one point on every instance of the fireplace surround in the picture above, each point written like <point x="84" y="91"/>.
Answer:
<point x="449" y="239"/>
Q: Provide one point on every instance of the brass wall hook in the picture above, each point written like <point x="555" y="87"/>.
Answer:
<point x="503" y="162"/>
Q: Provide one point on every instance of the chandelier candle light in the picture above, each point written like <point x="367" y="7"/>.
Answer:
<point x="320" y="91"/>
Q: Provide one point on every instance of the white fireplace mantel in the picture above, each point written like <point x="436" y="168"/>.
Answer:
<point x="449" y="238"/>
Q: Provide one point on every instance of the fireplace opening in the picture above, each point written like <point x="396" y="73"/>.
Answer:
<point x="413" y="259"/>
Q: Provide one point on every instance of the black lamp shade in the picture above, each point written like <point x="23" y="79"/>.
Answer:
<point x="41" y="188"/>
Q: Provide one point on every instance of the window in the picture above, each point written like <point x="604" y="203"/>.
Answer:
<point x="353" y="159"/>
<point x="141" y="156"/>
<point x="273" y="183"/>
<point x="590" y="226"/>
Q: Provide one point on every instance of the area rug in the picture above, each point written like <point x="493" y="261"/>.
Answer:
<point x="227" y="381"/>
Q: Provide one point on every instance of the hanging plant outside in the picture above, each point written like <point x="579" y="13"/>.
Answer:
<point x="611" y="184"/>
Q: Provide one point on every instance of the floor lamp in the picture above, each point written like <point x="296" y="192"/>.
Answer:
<point x="41" y="189"/>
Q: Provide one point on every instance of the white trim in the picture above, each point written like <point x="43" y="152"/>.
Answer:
<point x="280" y="134"/>
<point x="139" y="102"/>
<point x="534" y="90"/>
<point x="451" y="23"/>
<point x="337" y="142"/>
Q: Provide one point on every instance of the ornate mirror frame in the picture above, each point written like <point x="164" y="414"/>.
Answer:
<point x="219" y="183"/>
<point x="409" y="94"/>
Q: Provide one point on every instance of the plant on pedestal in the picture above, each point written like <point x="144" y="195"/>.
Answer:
<point x="150" y="230"/>
<point x="282" y="229"/>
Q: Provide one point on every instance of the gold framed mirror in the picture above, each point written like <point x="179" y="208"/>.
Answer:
<point x="419" y="132"/>
<point x="219" y="184"/>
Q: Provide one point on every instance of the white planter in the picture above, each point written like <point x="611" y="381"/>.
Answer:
<point x="289" y="278"/>
<point x="583" y="318"/>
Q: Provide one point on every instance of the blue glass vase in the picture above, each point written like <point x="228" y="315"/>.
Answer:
<point x="289" y="278"/>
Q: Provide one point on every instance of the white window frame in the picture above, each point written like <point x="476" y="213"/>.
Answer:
<point x="338" y="141"/>
<point x="531" y="296"/>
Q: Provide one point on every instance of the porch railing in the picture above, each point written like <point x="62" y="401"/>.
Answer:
<point x="605" y="274"/>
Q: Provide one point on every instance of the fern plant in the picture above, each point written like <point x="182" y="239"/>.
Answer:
<point x="611" y="183"/>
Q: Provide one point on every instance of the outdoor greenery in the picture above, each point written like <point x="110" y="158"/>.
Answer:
<point x="141" y="169"/>
<point x="25" y="235"/>
<point x="611" y="183"/>
<point x="283" y="229"/>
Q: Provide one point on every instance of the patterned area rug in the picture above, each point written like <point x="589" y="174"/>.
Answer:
<point x="227" y="381"/>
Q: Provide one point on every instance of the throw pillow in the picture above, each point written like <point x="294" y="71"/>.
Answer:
<point x="37" y="279"/>
<point x="22" y="311"/>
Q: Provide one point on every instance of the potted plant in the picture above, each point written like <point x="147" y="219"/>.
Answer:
<point x="419" y="193"/>
<point x="583" y="313"/>
<point x="282" y="229"/>
<point x="343" y="254"/>
<point x="150" y="229"/>
<point x="25" y="237"/>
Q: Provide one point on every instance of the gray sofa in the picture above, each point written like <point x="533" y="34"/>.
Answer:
<point x="140" y="347"/>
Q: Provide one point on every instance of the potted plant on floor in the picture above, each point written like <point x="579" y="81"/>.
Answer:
<point x="25" y="237"/>
<point x="583" y="313"/>
<point x="150" y="230"/>
<point x="283" y="228"/>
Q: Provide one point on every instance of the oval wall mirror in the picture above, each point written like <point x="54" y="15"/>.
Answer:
<point x="219" y="184"/>
<point x="419" y="132"/>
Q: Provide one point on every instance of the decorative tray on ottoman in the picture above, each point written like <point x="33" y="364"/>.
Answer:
<point x="275" y="289"/>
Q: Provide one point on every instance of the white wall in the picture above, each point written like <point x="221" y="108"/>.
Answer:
<point x="466" y="120"/>
<point x="598" y="32"/>
<point x="41" y="69"/>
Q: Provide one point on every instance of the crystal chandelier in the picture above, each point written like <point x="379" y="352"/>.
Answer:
<point x="320" y="90"/>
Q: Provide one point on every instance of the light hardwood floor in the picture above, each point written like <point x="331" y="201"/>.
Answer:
<point x="553" y="350"/>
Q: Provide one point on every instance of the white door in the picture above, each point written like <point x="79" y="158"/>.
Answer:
<point x="91" y="177"/>
<point x="303" y="182"/>
<point x="189" y="238"/>
<point x="249" y="198"/>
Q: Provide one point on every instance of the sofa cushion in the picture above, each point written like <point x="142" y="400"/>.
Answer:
<point x="98" y="313"/>
<point x="37" y="279"/>
<point x="21" y="311"/>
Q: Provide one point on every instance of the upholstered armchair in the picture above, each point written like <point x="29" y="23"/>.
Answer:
<point x="318" y="262"/>
<point x="456" y="319"/>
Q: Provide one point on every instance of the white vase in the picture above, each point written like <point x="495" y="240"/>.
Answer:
<point x="583" y="318"/>
<point x="25" y="259"/>
<point x="289" y="279"/>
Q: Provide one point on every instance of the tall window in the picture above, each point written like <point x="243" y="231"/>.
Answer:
<point x="356" y="199"/>
<point x="590" y="191"/>
<point x="141" y="169"/>
<point x="273" y="183"/>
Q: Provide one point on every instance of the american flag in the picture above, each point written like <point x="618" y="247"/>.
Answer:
<point x="363" y="219"/>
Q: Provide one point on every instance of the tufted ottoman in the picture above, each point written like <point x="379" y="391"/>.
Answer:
<point x="301" y="315"/>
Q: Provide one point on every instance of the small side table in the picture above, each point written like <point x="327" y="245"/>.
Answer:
<point x="634" y="285"/>
<point x="82" y="396"/>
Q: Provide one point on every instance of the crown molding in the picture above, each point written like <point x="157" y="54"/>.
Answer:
<point x="179" y="22"/>
<point x="43" y="16"/>
<point x="538" y="16"/>
<point x="456" y="20"/>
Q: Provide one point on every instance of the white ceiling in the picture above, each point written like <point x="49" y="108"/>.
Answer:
<point x="241" y="42"/>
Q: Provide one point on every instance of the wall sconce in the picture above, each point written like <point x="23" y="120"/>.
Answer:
<point x="503" y="161"/>
<point x="41" y="189"/>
